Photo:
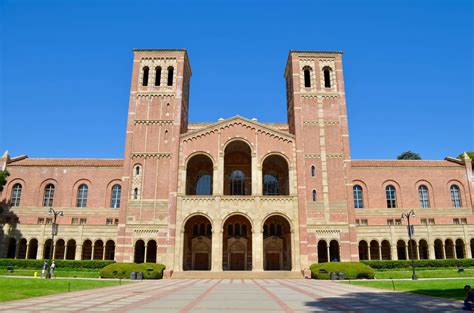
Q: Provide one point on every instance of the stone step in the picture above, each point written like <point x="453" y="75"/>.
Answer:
<point x="237" y="275"/>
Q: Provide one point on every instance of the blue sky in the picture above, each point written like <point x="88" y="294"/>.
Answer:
<point x="65" y="68"/>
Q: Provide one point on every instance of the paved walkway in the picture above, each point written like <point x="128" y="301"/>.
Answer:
<point x="233" y="295"/>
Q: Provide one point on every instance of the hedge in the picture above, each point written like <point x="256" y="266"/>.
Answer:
<point x="352" y="270"/>
<point x="123" y="270"/>
<point x="419" y="263"/>
<point x="60" y="264"/>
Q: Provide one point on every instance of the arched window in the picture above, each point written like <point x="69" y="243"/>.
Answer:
<point x="307" y="76"/>
<point x="146" y="72"/>
<point x="166" y="135"/>
<point x="424" y="197"/>
<point x="313" y="170"/>
<point x="195" y="229"/>
<point x="48" y="196"/>
<point x="244" y="230"/>
<point x="237" y="180"/>
<point x="455" y="196"/>
<point x="203" y="184"/>
<point x="314" y="195"/>
<point x="16" y="195"/>
<point x="358" y="197"/>
<point x="115" y="197"/>
<point x="199" y="171"/>
<point x="137" y="170"/>
<point x="391" y="196"/>
<point x="271" y="186"/>
<point x="82" y="196"/>
<point x="237" y="229"/>
<point x="135" y="194"/>
<point x="230" y="230"/>
<point x="170" y="76"/>
<point x="158" y="76"/>
<point x="327" y="77"/>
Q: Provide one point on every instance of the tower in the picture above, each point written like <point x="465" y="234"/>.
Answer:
<point x="157" y="115"/>
<point x="317" y="117"/>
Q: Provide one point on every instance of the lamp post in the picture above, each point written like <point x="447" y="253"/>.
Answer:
<point x="406" y="216"/>
<point x="54" y="231"/>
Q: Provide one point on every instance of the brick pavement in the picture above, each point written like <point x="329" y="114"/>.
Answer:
<point x="233" y="295"/>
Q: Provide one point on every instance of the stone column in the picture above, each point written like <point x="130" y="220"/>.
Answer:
<point x="407" y="252"/>
<point x="394" y="254"/>
<point x="431" y="252"/>
<point x="219" y="174"/>
<point x="40" y="252"/>
<point x="17" y="248"/>
<point x="78" y="255"/>
<point x="328" y="252"/>
<point x="257" y="250"/>
<point x="145" y="253"/>
<point x="380" y="252"/>
<point x="93" y="251"/>
<point x="469" y="251"/>
<point x="444" y="251"/>
<point x="27" y="250"/>
<point x="216" y="249"/>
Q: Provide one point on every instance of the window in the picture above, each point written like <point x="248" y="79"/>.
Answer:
<point x="456" y="221"/>
<point x="244" y="230"/>
<point x="327" y="77"/>
<point x="364" y="222"/>
<point x="116" y="221"/>
<point x="166" y="135"/>
<point x="357" y="221"/>
<point x="314" y="195"/>
<point x="16" y="195"/>
<point x="390" y="221"/>
<point x="170" y="76"/>
<point x="158" y="76"/>
<point x="358" y="197"/>
<point x="83" y="221"/>
<point x="49" y="220"/>
<point x="423" y="221"/>
<point x="230" y="230"/>
<point x="464" y="221"/>
<point x="431" y="221"/>
<point x="146" y="72"/>
<point x="203" y="184"/>
<point x="270" y="184"/>
<point x="313" y="170"/>
<point x="424" y="198"/>
<point x="82" y="196"/>
<point x="48" y="196"/>
<point x="115" y="197"/>
<point x="135" y="194"/>
<point x="455" y="196"/>
<point x="137" y="170"/>
<point x="40" y="220"/>
<point x="307" y="77"/>
<point x="391" y="196"/>
<point x="109" y="221"/>
<point x="74" y="221"/>
<point x="237" y="179"/>
<point x="398" y="221"/>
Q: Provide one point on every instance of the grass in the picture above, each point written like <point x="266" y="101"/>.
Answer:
<point x="424" y="273"/>
<point x="59" y="273"/>
<point x="450" y="289"/>
<point x="22" y="288"/>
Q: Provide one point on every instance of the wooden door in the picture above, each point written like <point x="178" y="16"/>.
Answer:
<point x="237" y="261"/>
<point x="201" y="261"/>
<point x="273" y="261"/>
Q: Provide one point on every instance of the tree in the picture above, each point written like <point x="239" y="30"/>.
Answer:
<point x="409" y="155"/>
<point x="3" y="178"/>
<point x="470" y="154"/>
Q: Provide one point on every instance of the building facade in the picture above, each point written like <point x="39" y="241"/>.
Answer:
<point x="237" y="194"/>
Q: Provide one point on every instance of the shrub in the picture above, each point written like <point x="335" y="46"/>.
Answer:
<point x="123" y="270"/>
<point x="83" y="265"/>
<point x="352" y="270"/>
<point x="381" y="265"/>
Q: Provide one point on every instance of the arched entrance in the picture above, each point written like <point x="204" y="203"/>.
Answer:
<point x="11" y="248"/>
<point x="197" y="248"/>
<point x="460" y="249"/>
<point x="33" y="248"/>
<point x="276" y="244"/>
<point x="71" y="249"/>
<point x="22" y="247"/>
<point x="98" y="250"/>
<point x="423" y="249"/>
<point x="439" y="252"/>
<point x="401" y="250"/>
<point x="374" y="250"/>
<point x="363" y="250"/>
<point x="237" y="244"/>
<point x="322" y="251"/>
<point x="386" y="253"/>
<point x="110" y="250"/>
<point x="151" y="251"/>
<point x="237" y="169"/>
<point x="47" y="250"/>
<point x="59" y="249"/>
<point x="87" y="250"/>
<point x="199" y="173"/>
<point x="139" y="255"/>
<point x="449" y="249"/>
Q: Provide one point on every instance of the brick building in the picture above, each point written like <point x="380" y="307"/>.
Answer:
<point x="237" y="194"/>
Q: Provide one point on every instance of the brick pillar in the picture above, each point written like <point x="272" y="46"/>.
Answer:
<point x="257" y="250"/>
<point x="216" y="247"/>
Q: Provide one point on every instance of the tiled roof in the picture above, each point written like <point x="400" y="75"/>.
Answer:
<point x="403" y="163"/>
<point x="69" y="162"/>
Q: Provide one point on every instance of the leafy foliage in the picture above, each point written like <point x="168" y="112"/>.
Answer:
<point x="352" y="270"/>
<point x="420" y="263"/>
<point x="60" y="264"/>
<point x="409" y="155"/>
<point x="3" y="178"/>
<point x="470" y="154"/>
<point x="123" y="270"/>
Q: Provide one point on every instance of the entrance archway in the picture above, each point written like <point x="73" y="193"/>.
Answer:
<point x="197" y="247"/>
<point x="238" y="169"/>
<point x="439" y="251"/>
<point x="401" y="250"/>
<point x="276" y="244"/>
<point x="33" y="249"/>
<point x="322" y="251"/>
<point x="237" y="244"/>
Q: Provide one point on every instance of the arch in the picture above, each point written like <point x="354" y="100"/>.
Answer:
<point x="137" y="169"/>
<point x="109" y="250"/>
<point x="277" y="243"/>
<point x="199" y="175"/>
<point x="87" y="250"/>
<point x="170" y="75"/>
<point x="327" y="76"/>
<point x="358" y="194"/>
<point x="237" y="168"/>
<point x="438" y="248"/>
<point x="413" y="249"/>
<point x="59" y="249"/>
<point x="47" y="249"/>
<point x="237" y="246"/>
<point x="11" y="248"/>
<point x="460" y="251"/>
<point x="449" y="249"/>
<point x="82" y="195"/>
<point x="374" y="250"/>
<point x="32" y="249"/>
<point x="146" y="73"/>
<point x="158" y="76"/>
<point x="71" y="249"/>
<point x="197" y="245"/>
<point x="275" y="175"/>
<point x="322" y="251"/>
<point x="307" y="76"/>
<point x="139" y="255"/>
<point x="429" y="186"/>
<point x="98" y="250"/>
<point x="363" y="250"/>
<point x="334" y="255"/>
<point x="401" y="250"/>
<point x="22" y="248"/>
<point x="386" y="250"/>
<point x="151" y="249"/>
<point x="423" y="251"/>
<point x="391" y="196"/>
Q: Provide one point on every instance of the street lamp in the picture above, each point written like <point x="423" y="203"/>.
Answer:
<point x="54" y="231"/>
<point x="411" y="232"/>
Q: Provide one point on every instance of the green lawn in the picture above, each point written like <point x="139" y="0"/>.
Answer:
<point x="424" y="273"/>
<point x="21" y="288"/>
<point x="451" y="289"/>
<point x="59" y="273"/>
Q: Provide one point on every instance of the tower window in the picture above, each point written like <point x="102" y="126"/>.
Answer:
<point x="16" y="195"/>
<point x="170" y="76"/>
<point x="424" y="198"/>
<point x="135" y="194"/>
<point x="327" y="77"/>
<point x="455" y="196"/>
<point x="307" y="77"/>
<point x="314" y="195"/>
<point x="137" y="170"/>
<point x="391" y="196"/>
<point x="158" y="76"/>
<point x="115" y="198"/>
<point x="146" y="73"/>
<point x="358" y="197"/>
<point x="313" y="170"/>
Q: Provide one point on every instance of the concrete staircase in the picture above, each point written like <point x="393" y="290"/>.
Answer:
<point x="237" y="275"/>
